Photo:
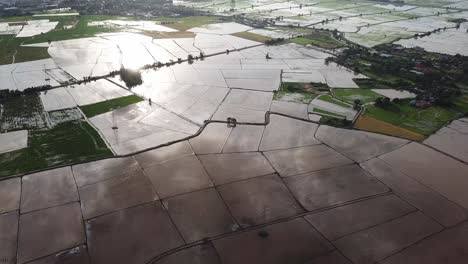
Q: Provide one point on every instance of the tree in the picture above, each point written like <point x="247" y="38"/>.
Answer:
<point x="357" y="105"/>
<point x="131" y="78"/>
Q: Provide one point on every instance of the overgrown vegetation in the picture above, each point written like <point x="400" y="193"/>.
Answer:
<point x="106" y="106"/>
<point x="66" y="143"/>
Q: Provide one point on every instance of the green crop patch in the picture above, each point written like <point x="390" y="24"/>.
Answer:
<point x="67" y="143"/>
<point x="107" y="106"/>
<point x="422" y="121"/>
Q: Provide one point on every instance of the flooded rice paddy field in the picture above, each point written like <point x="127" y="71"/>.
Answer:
<point x="270" y="185"/>
<point x="365" y="23"/>
<point x="243" y="83"/>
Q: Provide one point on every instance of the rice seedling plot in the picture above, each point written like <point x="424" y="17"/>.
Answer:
<point x="422" y="121"/>
<point x="349" y="95"/>
<point x="184" y="23"/>
<point x="297" y="92"/>
<point x="106" y="106"/>
<point x="328" y="98"/>
<point x="23" y="112"/>
<point x="252" y="36"/>
<point x="319" y="39"/>
<point x="66" y="143"/>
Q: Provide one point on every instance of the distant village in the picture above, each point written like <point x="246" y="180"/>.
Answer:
<point x="142" y="9"/>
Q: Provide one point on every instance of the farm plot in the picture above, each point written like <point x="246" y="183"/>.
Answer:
<point x="66" y="143"/>
<point x="371" y="124"/>
<point x="331" y="108"/>
<point x="140" y="126"/>
<point x="24" y="112"/>
<point x="20" y="76"/>
<point x="422" y="121"/>
<point x="349" y="95"/>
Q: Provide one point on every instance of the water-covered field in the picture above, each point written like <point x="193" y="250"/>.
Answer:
<point x="234" y="74"/>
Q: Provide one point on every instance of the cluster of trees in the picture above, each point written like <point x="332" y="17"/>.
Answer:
<point x="5" y="94"/>
<point x="429" y="75"/>
<point x="130" y="77"/>
<point x="274" y="41"/>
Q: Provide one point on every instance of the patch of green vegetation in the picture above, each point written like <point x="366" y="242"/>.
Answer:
<point x="319" y="39"/>
<point x="252" y="36"/>
<point x="106" y="106"/>
<point x="67" y="143"/>
<point x="31" y="53"/>
<point x="349" y="95"/>
<point x="184" y="23"/>
<point x="422" y="121"/>
<point x="371" y="84"/>
<point x="295" y="29"/>
<point x="328" y="98"/>
<point x="460" y="104"/>
<point x="10" y="51"/>
<point x="336" y="122"/>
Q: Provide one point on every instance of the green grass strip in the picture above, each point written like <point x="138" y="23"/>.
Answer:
<point x="328" y="98"/>
<point x="107" y="106"/>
